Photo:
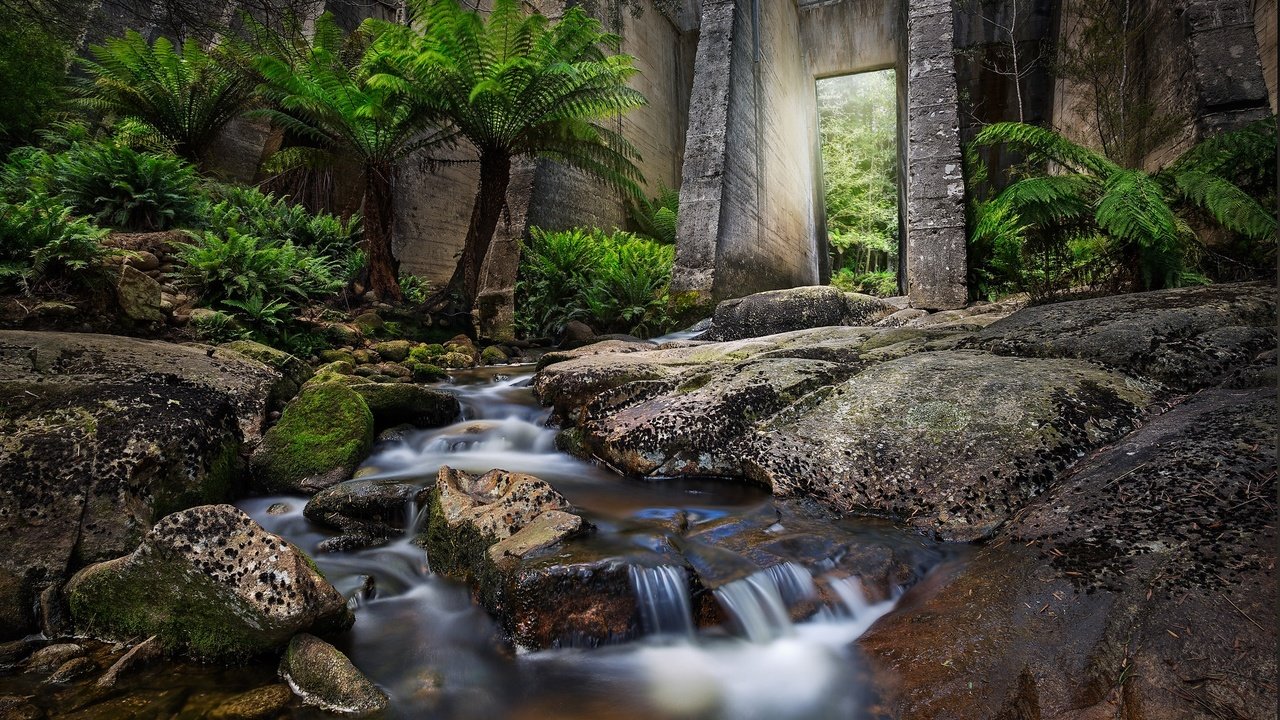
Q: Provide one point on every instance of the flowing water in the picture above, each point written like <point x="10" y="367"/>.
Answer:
<point x="438" y="654"/>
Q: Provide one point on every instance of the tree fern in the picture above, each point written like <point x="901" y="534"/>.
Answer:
<point x="183" y="94"/>
<point x="1228" y="204"/>
<point x="515" y="84"/>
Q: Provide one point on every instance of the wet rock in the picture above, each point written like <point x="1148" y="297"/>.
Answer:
<point x="955" y="441"/>
<point x="376" y="508"/>
<point x="778" y="311"/>
<point x="902" y="317"/>
<point x="211" y="582"/>
<point x="15" y="651"/>
<point x="263" y="703"/>
<point x="604" y="347"/>
<point x="323" y="677"/>
<point x="293" y="371"/>
<point x="321" y="437"/>
<point x="100" y="436"/>
<point x="1141" y="586"/>
<point x="540" y="533"/>
<point x="1185" y="338"/>
<point x="397" y="404"/>
<point x="49" y="658"/>
<point x="73" y="669"/>
<point x="138" y="295"/>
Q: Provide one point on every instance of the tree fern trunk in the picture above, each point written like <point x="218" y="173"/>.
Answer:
<point x="495" y="176"/>
<point x="379" y="221"/>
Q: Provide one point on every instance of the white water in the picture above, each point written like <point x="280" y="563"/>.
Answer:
<point x="438" y="655"/>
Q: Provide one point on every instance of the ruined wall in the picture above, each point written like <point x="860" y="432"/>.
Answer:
<point x="1264" y="27"/>
<point x="842" y="37"/>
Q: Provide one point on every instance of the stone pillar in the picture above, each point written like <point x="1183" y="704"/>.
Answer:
<point x="1226" y="63"/>
<point x="936" y="261"/>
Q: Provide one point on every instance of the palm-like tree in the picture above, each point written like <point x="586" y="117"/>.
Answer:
<point x="322" y="95"/>
<point x="184" y="95"/>
<point x="516" y="84"/>
<point x="1133" y="209"/>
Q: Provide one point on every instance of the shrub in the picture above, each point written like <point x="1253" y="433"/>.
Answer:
<point x="33" y="71"/>
<point x="881" y="283"/>
<point x="236" y="269"/>
<point x="42" y="242"/>
<point x="125" y="189"/>
<point x="616" y="283"/>
<point x="276" y="220"/>
<point x="657" y="218"/>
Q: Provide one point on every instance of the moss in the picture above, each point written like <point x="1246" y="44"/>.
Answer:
<point x="327" y="427"/>
<point x="333" y="356"/>
<point x="493" y="355"/>
<point x="457" y="360"/>
<point x="461" y="553"/>
<point x="393" y="350"/>
<point x="217" y="484"/>
<point x="426" y="372"/>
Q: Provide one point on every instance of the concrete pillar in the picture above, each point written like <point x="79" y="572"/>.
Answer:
<point x="1226" y="63"/>
<point x="936" y="262"/>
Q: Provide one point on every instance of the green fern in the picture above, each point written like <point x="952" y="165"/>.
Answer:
<point x="181" y="94"/>
<point x="657" y="218"/>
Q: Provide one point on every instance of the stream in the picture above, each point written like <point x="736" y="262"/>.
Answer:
<point x="438" y="654"/>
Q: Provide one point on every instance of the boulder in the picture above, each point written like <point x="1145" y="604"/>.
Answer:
<point x="493" y="355"/>
<point x="575" y="334"/>
<point x="263" y="703"/>
<point x="209" y="582"/>
<point x="293" y="371"/>
<point x="138" y="295"/>
<point x="777" y="311"/>
<point x="1141" y="586"/>
<point x="374" y="508"/>
<point x="100" y="437"/>
<point x="955" y="441"/>
<point x="323" y="677"/>
<point x="320" y="439"/>
<point x="398" y="404"/>
<point x="1185" y="338"/>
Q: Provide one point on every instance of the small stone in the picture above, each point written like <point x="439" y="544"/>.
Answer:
<point x="393" y="350"/>
<point x="279" y="509"/>
<point x="142" y="260"/>
<point x="493" y="355"/>
<point x="138" y="295"/>
<point x="17" y="707"/>
<point x="138" y="655"/>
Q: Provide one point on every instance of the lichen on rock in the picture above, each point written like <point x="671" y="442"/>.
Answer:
<point x="209" y="582"/>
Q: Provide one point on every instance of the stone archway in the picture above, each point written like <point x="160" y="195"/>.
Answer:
<point x="751" y="215"/>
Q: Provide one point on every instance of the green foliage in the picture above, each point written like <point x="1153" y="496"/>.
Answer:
<point x="41" y="242"/>
<point x="881" y="283"/>
<point x="615" y="283"/>
<point x="1092" y="218"/>
<point x="183" y="95"/>
<point x="657" y="218"/>
<point x="414" y="289"/>
<point x="124" y="189"/>
<point x="33" y="70"/>
<point x="858" y="130"/>
<point x="217" y="328"/>
<point x="276" y="220"/>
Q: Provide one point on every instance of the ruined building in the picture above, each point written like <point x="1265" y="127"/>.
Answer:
<point x="732" y="121"/>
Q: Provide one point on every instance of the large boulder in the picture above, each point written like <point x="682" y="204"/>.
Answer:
<point x="325" y="678"/>
<point x="372" y="509"/>
<point x="210" y="582"/>
<point x="777" y="311"/>
<point x="100" y="437"/>
<point x="1186" y="338"/>
<point x="320" y="439"/>
<point x="955" y="441"/>
<point x="955" y="429"/>
<point x="1142" y="586"/>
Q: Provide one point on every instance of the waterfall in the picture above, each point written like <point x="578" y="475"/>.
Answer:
<point x="853" y="601"/>
<point x="662" y="594"/>
<point x="758" y="603"/>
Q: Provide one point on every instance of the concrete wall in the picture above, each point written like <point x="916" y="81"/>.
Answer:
<point x="842" y="37"/>
<point x="1264" y="27"/>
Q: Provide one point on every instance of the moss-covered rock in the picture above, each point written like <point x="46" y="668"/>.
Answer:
<point x="425" y="372"/>
<point x="400" y="403"/>
<point x="263" y="703"/>
<point x="493" y="355"/>
<point x="332" y="356"/>
<point x="369" y="323"/>
<point x="323" y="677"/>
<point x="343" y="334"/>
<point x="101" y="436"/>
<point x="209" y="582"/>
<point x="457" y="360"/>
<point x="293" y="371"/>
<point x="320" y="439"/>
<point x="138" y="296"/>
<point x="427" y="353"/>
<point x="393" y="350"/>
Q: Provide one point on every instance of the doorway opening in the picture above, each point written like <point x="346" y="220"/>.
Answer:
<point x="858" y="131"/>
